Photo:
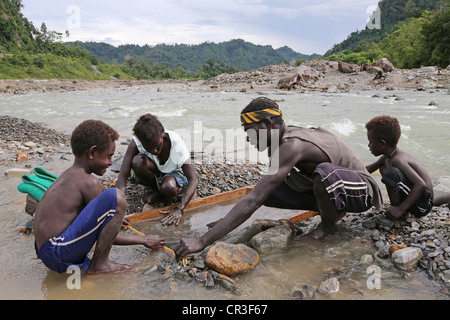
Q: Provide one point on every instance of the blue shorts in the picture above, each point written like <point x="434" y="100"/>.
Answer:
<point x="72" y="246"/>
<point x="397" y="181"/>
<point x="178" y="175"/>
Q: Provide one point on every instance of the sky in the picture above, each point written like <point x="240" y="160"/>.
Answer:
<point x="308" y="27"/>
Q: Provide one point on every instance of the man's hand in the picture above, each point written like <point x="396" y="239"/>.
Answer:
<point x="171" y="216"/>
<point x="188" y="246"/>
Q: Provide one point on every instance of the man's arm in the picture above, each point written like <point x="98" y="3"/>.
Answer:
<point x="191" y="175"/>
<point x="174" y="215"/>
<point x="125" y="169"/>
<point x="288" y="155"/>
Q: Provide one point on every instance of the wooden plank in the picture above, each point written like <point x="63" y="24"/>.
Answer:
<point x="196" y="203"/>
<point x="302" y="215"/>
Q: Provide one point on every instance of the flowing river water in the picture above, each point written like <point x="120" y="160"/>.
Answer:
<point x="213" y="117"/>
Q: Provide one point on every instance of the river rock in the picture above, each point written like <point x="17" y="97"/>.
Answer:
<point x="244" y="235"/>
<point x="384" y="64"/>
<point x="330" y="286"/>
<point x="396" y="247"/>
<point x="21" y="157"/>
<point x="366" y="259"/>
<point x="307" y="73"/>
<point x="345" y="67"/>
<point x="17" y="172"/>
<point x="426" y="84"/>
<point x="231" y="259"/>
<point x="289" y="82"/>
<point x="407" y="258"/>
<point x="274" y="238"/>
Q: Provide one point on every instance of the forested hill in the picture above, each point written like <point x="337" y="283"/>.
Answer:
<point x="237" y="53"/>
<point x="392" y="12"/>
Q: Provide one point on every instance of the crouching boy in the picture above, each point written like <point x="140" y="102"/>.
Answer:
<point x="407" y="181"/>
<point x="76" y="212"/>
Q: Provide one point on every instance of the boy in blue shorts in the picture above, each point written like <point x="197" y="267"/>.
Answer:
<point x="408" y="184"/>
<point x="76" y="212"/>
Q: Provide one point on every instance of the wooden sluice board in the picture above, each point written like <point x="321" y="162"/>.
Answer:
<point x="211" y="200"/>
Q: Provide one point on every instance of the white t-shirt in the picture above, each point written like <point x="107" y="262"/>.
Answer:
<point x="178" y="156"/>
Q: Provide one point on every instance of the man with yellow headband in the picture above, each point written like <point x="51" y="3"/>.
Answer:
<point x="310" y="169"/>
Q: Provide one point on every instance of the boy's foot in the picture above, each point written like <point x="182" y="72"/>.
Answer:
<point x="111" y="268"/>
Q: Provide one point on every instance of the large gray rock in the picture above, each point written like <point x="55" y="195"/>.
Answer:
<point x="345" y="67"/>
<point x="274" y="238"/>
<point x="407" y="258"/>
<point x="307" y="73"/>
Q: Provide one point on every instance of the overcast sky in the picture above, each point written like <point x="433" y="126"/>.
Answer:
<point x="312" y="26"/>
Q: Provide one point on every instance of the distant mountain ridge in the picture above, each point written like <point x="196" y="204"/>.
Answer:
<point x="238" y="53"/>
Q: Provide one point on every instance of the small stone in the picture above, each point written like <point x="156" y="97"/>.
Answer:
<point x="396" y="247"/>
<point x="21" y="157"/>
<point x="30" y="144"/>
<point x="330" y="286"/>
<point x="366" y="259"/>
<point x="16" y="172"/>
<point x="302" y="294"/>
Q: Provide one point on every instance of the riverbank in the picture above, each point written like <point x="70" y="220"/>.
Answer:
<point x="50" y="149"/>
<point x="328" y="79"/>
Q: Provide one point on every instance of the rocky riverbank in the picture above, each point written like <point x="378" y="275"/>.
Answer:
<point x="429" y="236"/>
<point x="326" y="78"/>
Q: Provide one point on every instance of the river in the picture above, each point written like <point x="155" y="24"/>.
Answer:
<point x="213" y="117"/>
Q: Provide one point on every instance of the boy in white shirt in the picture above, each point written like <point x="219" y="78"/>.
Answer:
<point x="160" y="160"/>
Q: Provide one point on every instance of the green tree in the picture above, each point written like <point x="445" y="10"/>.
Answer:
<point x="436" y="41"/>
<point x="403" y="46"/>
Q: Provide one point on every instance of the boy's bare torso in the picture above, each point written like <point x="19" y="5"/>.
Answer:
<point x="401" y="160"/>
<point x="62" y="203"/>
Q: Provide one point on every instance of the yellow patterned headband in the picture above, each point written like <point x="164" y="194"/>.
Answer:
<point x="257" y="116"/>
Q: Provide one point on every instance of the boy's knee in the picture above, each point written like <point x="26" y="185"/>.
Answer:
<point x="121" y="201"/>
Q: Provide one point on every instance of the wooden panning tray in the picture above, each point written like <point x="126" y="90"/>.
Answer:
<point x="211" y="200"/>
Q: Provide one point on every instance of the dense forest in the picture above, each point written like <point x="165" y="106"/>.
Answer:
<point x="413" y="33"/>
<point x="420" y="40"/>
<point x="238" y="53"/>
<point x="392" y="12"/>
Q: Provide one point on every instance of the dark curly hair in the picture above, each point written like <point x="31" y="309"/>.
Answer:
<point x="385" y="128"/>
<point x="261" y="104"/>
<point x="148" y="127"/>
<point x="92" y="133"/>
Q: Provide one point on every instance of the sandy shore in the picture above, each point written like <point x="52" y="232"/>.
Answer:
<point x="263" y="79"/>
